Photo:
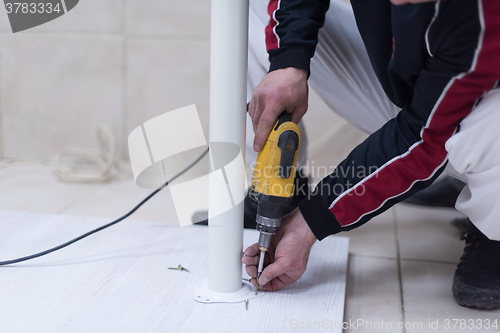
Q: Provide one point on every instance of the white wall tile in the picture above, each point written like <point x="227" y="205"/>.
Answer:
<point x="166" y="75"/>
<point x="56" y="90"/>
<point x="170" y="18"/>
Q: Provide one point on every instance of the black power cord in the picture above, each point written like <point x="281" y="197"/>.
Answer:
<point x="39" y="254"/>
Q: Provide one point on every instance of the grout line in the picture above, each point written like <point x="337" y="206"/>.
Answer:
<point x="170" y="38"/>
<point x="125" y="117"/>
<point x="406" y="259"/>
<point x="429" y="261"/>
<point x="400" y="277"/>
<point x="67" y="33"/>
<point x="373" y="257"/>
<point x="349" y="286"/>
<point x="124" y="18"/>
<point x="112" y="34"/>
<point x="1" y="111"/>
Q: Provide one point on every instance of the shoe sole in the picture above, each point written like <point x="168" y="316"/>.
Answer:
<point x="468" y="296"/>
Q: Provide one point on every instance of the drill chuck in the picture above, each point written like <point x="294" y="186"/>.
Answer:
<point x="267" y="227"/>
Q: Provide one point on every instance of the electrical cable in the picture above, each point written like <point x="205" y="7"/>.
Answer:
<point x="36" y="255"/>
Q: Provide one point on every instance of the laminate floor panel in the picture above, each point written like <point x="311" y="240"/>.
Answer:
<point x="118" y="280"/>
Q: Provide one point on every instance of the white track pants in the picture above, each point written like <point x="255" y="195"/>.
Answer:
<point x="342" y="75"/>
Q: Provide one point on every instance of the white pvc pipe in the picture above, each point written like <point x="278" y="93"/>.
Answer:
<point x="228" y="70"/>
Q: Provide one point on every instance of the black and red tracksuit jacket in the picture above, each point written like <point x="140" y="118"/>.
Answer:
<point x="434" y="60"/>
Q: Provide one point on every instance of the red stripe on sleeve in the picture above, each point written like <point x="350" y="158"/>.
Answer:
<point x="425" y="157"/>
<point x="271" y="37"/>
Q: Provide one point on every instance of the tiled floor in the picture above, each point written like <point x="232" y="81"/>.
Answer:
<point x="401" y="263"/>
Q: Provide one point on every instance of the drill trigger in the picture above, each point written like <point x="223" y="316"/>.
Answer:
<point x="289" y="143"/>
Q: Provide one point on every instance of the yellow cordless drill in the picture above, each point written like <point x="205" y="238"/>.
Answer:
<point x="273" y="181"/>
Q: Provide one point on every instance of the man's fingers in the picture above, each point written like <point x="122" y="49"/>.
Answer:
<point x="251" y="271"/>
<point x="251" y="259"/>
<point x="256" y="109"/>
<point x="254" y="260"/>
<point x="252" y="107"/>
<point x="277" y="283"/>
<point x="252" y="250"/>
<point x="273" y="271"/>
<point x="264" y="126"/>
<point x="298" y="114"/>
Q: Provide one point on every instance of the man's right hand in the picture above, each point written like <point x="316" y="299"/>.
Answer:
<point x="287" y="257"/>
<point x="280" y="90"/>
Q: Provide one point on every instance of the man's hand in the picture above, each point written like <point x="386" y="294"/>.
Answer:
<point x="286" y="258"/>
<point x="280" y="90"/>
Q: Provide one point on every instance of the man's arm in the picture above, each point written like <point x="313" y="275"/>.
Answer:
<point x="291" y="38"/>
<point x="292" y="32"/>
<point x="408" y="153"/>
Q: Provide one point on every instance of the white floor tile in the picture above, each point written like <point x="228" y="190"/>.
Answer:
<point x="115" y="199"/>
<point x="428" y="298"/>
<point x="375" y="238"/>
<point x="426" y="233"/>
<point x="372" y="296"/>
<point x="36" y="189"/>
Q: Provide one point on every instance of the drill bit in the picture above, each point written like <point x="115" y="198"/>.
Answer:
<point x="259" y="269"/>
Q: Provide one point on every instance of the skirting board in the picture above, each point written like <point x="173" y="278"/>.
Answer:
<point x="118" y="281"/>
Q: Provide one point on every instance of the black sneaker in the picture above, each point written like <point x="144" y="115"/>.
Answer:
<point x="461" y="223"/>
<point x="477" y="279"/>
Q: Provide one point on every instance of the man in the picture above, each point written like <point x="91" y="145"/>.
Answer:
<point x="437" y="101"/>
